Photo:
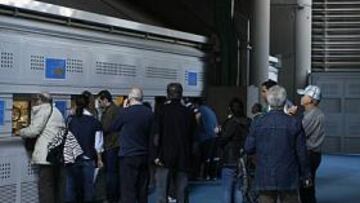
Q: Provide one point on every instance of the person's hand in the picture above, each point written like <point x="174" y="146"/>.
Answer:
<point x="292" y="110"/>
<point x="217" y="129"/>
<point x="126" y="103"/>
<point x="100" y="164"/>
<point x="158" y="162"/>
<point x="17" y="133"/>
<point x="307" y="183"/>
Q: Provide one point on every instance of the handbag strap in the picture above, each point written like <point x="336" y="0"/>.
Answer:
<point x="47" y="120"/>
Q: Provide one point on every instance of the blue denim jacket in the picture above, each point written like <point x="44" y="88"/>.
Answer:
<point x="278" y="140"/>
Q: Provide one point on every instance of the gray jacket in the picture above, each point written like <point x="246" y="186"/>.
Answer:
<point x="39" y="115"/>
<point x="313" y="123"/>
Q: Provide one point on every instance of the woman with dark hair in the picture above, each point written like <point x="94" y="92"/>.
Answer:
<point x="87" y="130"/>
<point x="90" y="100"/>
<point x="232" y="139"/>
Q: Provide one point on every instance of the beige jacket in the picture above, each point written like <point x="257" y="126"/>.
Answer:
<point x="39" y="115"/>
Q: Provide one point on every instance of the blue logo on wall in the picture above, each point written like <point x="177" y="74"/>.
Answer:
<point x="55" y="68"/>
<point x="2" y="112"/>
<point x="192" y="78"/>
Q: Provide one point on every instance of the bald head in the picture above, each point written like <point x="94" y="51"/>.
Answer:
<point x="136" y="94"/>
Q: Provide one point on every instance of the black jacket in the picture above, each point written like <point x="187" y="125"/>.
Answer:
<point x="175" y="127"/>
<point x="232" y="139"/>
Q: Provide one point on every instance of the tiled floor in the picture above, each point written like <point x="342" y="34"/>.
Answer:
<point x="338" y="181"/>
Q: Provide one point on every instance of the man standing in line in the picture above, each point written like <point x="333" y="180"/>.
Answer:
<point x="289" y="107"/>
<point x="313" y="124"/>
<point x="175" y="124"/>
<point x="134" y="124"/>
<point x="111" y="145"/>
<point x="279" y="143"/>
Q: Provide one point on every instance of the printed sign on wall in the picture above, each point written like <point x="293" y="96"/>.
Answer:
<point x="192" y="78"/>
<point x="2" y="112"/>
<point x="55" y="68"/>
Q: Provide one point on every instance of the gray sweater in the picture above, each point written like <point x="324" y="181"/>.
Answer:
<point x="313" y="123"/>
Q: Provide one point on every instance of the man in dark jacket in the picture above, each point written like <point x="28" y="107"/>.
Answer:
<point x="175" y="124"/>
<point x="279" y="143"/>
<point x="232" y="141"/>
<point x="111" y="145"/>
<point x="134" y="124"/>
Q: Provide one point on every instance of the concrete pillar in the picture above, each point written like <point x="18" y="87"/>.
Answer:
<point x="303" y="42"/>
<point x="260" y="37"/>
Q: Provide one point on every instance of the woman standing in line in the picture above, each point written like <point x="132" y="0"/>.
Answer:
<point x="87" y="130"/>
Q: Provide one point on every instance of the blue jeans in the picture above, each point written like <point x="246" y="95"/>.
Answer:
<point x="80" y="181"/>
<point x="231" y="185"/>
<point x="112" y="174"/>
<point x="162" y="183"/>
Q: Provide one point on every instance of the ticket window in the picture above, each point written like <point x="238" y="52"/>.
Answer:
<point x="21" y="111"/>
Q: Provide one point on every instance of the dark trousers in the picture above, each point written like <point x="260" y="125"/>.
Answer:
<point x="50" y="184"/>
<point x="308" y="195"/>
<point x="80" y="185"/>
<point x="112" y="177"/>
<point x="162" y="185"/>
<point x="208" y="151"/>
<point x="274" y="196"/>
<point x="134" y="178"/>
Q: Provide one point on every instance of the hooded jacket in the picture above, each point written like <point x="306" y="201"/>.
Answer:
<point x="44" y="134"/>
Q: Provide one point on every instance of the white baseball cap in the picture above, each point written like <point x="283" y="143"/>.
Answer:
<point x="311" y="91"/>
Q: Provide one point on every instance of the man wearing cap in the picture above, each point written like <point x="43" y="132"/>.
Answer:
<point x="313" y="124"/>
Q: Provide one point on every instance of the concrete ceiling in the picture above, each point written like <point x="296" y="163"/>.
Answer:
<point x="195" y="16"/>
<point x="188" y="15"/>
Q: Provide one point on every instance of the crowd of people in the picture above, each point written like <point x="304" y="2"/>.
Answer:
<point x="274" y="155"/>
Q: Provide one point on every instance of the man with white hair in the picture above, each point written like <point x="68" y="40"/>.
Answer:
<point x="279" y="143"/>
<point x="134" y="124"/>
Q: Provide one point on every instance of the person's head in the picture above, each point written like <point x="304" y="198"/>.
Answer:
<point x="135" y="95"/>
<point x="81" y="102"/>
<point x="311" y="96"/>
<point x="256" y="108"/>
<point x="276" y="96"/>
<point x="104" y="98"/>
<point x="90" y="99"/>
<point x="265" y="86"/>
<point x="237" y="107"/>
<point x="41" y="98"/>
<point x="174" y="91"/>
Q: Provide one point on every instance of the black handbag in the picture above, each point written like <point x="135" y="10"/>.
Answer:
<point x="56" y="154"/>
<point x="56" y="148"/>
<point x="30" y="142"/>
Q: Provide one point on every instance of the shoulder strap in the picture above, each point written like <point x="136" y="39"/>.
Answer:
<point x="47" y="120"/>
